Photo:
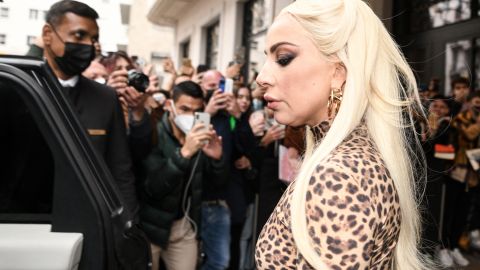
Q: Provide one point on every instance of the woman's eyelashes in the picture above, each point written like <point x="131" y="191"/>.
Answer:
<point x="284" y="60"/>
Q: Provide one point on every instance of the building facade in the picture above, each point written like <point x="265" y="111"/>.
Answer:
<point x="441" y="39"/>
<point x="150" y="42"/>
<point x="217" y="32"/>
<point x="21" y="21"/>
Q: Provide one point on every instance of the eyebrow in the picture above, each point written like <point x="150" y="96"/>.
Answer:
<point x="83" y="32"/>
<point x="278" y="44"/>
<point x="78" y="30"/>
<point x="185" y="108"/>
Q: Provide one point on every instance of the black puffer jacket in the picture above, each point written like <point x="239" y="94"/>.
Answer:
<point x="167" y="173"/>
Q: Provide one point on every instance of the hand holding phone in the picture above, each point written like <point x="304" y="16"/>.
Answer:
<point x="199" y="136"/>
<point x="226" y="85"/>
<point x="217" y="102"/>
<point x="204" y="118"/>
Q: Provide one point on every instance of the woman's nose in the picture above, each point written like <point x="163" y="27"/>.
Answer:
<point x="264" y="78"/>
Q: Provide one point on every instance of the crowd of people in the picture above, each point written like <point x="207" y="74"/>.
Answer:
<point x="202" y="192"/>
<point x="451" y="128"/>
<point x="196" y="184"/>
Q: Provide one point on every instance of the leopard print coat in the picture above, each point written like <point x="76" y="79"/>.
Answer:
<point x="353" y="212"/>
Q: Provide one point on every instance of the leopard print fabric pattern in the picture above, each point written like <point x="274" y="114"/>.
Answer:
<point x="353" y="212"/>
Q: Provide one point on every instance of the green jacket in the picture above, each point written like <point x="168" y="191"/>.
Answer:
<point x="167" y="173"/>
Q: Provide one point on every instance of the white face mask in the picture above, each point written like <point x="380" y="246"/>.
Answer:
<point x="100" y="80"/>
<point x="183" y="121"/>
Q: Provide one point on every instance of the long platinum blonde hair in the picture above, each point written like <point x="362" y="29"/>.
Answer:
<point x="380" y="87"/>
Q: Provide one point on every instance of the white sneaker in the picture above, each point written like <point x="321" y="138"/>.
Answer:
<point x="475" y="239"/>
<point x="458" y="257"/>
<point x="444" y="257"/>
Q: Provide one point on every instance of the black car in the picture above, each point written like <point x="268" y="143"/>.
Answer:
<point x="59" y="205"/>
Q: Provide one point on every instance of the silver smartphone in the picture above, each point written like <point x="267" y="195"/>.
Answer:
<point x="204" y="118"/>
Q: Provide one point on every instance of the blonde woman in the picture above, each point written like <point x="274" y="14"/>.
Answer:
<point x="331" y="65"/>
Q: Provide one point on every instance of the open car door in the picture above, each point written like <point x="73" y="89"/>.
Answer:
<point x="59" y="205"/>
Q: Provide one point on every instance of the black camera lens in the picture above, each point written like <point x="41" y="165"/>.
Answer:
<point x="138" y="80"/>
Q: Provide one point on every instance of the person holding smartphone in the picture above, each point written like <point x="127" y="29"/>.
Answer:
<point x="186" y="153"/>
<point x="216" y="213"/>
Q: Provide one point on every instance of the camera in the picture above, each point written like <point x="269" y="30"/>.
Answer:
<point x="138" y="80"/>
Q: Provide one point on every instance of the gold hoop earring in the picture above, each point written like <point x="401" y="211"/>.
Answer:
<point x="336" y="96"/>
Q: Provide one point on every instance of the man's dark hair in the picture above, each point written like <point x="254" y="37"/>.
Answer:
<point x="58" y="10"/>
<point x="202" y="68"/>
<point x="236" y="89"/>
<point x="188" y="88"/>
<point x="460" y="80"/>
<point x="445" y="100"/>
<point x="165" y="93"/>
<point x="110" y="61"/>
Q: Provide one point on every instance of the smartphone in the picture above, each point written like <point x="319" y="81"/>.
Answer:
<point x="202" y="117"/>
<point x="226" y="85"/>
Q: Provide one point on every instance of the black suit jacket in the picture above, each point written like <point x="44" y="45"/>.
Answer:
<point x="100" y="113"/>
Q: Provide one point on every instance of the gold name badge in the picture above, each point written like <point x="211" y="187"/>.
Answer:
<point x="97" y="132"/>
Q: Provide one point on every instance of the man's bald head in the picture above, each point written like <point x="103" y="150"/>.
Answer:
<point x="211" y="80"/>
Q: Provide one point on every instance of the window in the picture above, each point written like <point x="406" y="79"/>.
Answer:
<point x="125" y="13"/>
<point x="30" y="40"/>
<point x="33" y="15"/>
<point x="432" y="14"/>
<point x="3" y="39"/>
<point x="260" y="18"/>
<point x="4" y="12"/>
<point x="212" y="45"/>
<point x="446" y="45"/>
<point x="185" y="49"/>
<point x="122" y="47"/>
<point x="26" y="185"/>
<point x="458" y="56"/>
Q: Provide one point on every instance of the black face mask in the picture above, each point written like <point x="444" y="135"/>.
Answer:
<point x="76" y="58"/>
<point x="209" y="94"/>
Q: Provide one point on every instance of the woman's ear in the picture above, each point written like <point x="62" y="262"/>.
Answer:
<point x="339" y="77"/>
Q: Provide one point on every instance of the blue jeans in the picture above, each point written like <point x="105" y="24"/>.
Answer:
<point x="215" y="235"/>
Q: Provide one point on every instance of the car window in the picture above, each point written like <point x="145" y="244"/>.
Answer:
<point x="27" y="170"/>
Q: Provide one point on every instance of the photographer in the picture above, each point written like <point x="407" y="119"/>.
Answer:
<point x="130" y="87"/>
<point x="171" y="195"/>
<point x="118" y="65"/>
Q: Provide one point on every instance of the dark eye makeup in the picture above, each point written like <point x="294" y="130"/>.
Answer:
<point x="285" y="59"/>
